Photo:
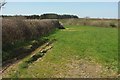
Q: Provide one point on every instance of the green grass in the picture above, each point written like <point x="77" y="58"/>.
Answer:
<point x="76" y="42"/>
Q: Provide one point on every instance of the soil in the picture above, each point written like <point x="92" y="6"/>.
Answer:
<point x="86" y="69"/>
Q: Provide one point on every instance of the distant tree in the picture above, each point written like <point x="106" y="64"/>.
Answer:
<point x="68" y="16"/>
<point x="32" y="17"/>
<point x="56" y="16"/>
<point x="49" y="16"/>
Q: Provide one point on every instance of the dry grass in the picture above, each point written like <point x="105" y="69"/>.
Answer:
<point x="91" y="22"/>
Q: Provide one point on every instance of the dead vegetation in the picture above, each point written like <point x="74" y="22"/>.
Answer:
<point x="20" y="29"/>
<point x="91" y="22"/>
<point x="85" y="69"/>
<point x="19" y="34"/>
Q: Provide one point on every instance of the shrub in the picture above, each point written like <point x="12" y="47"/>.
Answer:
<point x="113" y="25"/>
<point x="16" y="29"/>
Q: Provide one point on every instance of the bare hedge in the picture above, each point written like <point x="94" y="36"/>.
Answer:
<point x="14" y="29"/>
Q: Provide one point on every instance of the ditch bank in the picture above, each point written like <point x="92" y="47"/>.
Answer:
<point x="37" y="53"/>
<point x="21" y="37"/>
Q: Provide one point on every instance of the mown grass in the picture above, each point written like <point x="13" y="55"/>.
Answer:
<point x="76" y="42"/>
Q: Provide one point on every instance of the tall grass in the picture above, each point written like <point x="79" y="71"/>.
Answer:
<point x="91" y="22"/>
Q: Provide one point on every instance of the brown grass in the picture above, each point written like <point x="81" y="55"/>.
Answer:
<point x="91" y="22"/>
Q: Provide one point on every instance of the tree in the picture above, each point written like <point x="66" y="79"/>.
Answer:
<point x="2" y="3"/>
<point x="56" y="16"/>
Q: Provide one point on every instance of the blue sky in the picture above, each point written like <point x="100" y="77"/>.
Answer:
<point x="81" y="9"/>
<point x="62" y="0"/>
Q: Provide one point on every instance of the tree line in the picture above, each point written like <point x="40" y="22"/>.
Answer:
<point x="45" y="16"/>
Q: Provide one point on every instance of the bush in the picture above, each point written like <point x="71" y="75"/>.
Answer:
<point x="113" y="25"/>
<point x="16" y="29"/>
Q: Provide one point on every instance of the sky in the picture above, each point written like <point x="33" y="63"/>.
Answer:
<point x="81" y="9"/>
<point x="62" y="0"/>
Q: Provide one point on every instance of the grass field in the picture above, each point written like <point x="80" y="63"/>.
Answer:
<point x="79" y="51"/>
